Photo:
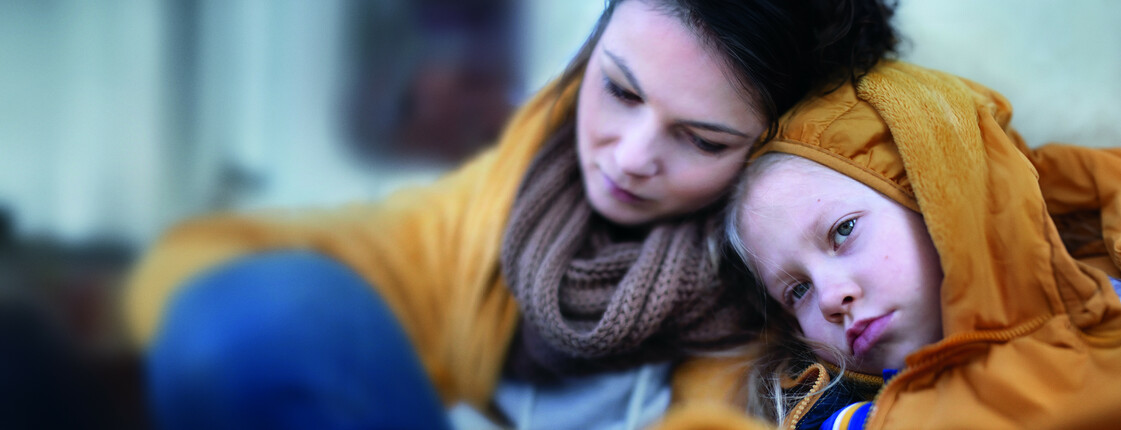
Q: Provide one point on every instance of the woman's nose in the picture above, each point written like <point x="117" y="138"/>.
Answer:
<point x="836" y="298"/>
<point x="637" y="152"/>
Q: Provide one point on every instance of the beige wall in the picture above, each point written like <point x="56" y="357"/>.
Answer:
<point x="1058" y="62"/>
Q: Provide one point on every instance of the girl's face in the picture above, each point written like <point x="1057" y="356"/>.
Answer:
<point x="661" y="129"/>
<point x="856" y="269"/>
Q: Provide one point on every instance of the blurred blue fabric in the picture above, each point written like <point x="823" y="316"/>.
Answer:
<point x="286" y="340"/>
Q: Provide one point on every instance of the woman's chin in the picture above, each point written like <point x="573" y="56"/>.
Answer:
<point x="621" y="217"/>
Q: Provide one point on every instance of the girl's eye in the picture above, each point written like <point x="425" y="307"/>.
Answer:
<point x="797" y="292"/>
<point x="620" y="93"/>
<point x="843" y="231"/>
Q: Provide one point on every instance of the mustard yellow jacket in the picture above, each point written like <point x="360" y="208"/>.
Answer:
<point x="431" y="252"/>
<point x="1032" y="334"/>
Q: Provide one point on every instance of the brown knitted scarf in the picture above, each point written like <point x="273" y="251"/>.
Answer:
<point x="589" y="299"/>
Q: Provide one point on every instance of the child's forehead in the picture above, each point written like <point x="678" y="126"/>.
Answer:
<point x="772" y="162"/>
<point x="795" y="201"/>
<point x="795" y="197"/>
<point x="784" y="177"/>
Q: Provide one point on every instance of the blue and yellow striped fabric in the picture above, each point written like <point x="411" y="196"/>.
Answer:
<point x="851" y="417"/>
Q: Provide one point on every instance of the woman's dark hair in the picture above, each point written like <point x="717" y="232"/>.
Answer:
<point x="779" y="50"/>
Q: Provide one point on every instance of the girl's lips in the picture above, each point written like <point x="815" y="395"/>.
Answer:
<point x="864" y="334"/>
<point x="619" y="193"/>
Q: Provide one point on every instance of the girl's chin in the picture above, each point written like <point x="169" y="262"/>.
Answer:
<point x="876" y="366"/>
<point x="868" y="366"/>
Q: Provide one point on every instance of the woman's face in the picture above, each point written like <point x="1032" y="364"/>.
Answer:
<point x="856" y="269"/>
<point x="662" y="130"/>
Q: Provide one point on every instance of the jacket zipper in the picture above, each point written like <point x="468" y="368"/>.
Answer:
<point x="805" y="404"/>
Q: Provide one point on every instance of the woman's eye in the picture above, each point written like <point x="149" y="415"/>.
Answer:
<point x="798" y="291"/>
<point x="706" y="146"/>
<point x="620" y="93"/>
<point x="843" y="231"/>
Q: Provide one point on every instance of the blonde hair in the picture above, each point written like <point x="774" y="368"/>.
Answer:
<point x="772" y="388"/>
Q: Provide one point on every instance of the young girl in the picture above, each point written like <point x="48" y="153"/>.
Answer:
<point x="555" y="280"/>
<point x="898" y="225"/>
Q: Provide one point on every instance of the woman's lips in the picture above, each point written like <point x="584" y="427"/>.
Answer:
<point x="864" y="334"/>
<point x="619" y="193"/>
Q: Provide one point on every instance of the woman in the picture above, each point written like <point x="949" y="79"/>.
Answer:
<point x="525" y="301"/>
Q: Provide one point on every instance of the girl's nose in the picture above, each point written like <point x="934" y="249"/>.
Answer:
<point x="836" y="298"/>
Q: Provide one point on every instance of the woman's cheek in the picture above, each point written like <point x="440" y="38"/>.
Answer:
<point x="706" y="180"/>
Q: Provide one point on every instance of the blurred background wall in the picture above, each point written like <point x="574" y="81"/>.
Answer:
<point x="120" y="117"/>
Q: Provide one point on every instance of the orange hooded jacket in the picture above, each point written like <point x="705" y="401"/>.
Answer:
<point x="1032" y="333"/>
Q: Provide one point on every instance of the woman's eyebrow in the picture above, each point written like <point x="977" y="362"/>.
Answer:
<point x="629" y="75"/>
<point x="716" y="127"/>
<point x="622" y="65"/>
